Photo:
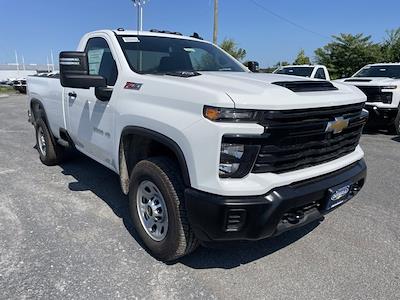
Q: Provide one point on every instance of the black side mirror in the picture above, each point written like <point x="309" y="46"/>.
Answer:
<point x="74" y="71"/>
<point x="253" y="66"/>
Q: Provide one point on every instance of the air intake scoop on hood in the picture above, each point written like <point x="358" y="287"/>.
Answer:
<point x="357" y="80"/>
<point x="306" y="86"/>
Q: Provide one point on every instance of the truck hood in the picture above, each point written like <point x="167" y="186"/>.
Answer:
<point x="257" y="91"/>
<point x="369" y="81"/>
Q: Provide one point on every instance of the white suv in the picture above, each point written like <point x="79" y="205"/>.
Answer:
<point x="381" y="85"/>
<point x="310" y="71"/>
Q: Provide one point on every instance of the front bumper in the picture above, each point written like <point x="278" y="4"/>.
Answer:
<point x="223" y="218"/>
<point x="381" y="115"/>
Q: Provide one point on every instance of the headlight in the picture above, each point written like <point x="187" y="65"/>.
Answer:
<point x="220" y="114"/>
<point x="236" y="160"/>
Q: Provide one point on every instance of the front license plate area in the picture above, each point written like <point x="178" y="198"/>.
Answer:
<point x="338" y="195"/>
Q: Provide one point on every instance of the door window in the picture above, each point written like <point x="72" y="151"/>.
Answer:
<point x="320" y="74"/>
<point x="101" y="61"/>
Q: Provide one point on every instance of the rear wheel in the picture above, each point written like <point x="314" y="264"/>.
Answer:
<point x="157" y="207"/>
<point x="50" y="152"/>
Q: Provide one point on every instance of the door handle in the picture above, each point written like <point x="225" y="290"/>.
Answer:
<point x="72" y="95"/>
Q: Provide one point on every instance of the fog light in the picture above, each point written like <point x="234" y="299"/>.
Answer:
<point x="236" y="160"/>
<point x="231" y="155"/>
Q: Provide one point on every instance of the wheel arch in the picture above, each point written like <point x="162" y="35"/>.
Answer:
<point x="149" y="136"/>
<point x="37" y="110"/>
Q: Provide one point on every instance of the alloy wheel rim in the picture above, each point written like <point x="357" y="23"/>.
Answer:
<point x="152" y="210"/>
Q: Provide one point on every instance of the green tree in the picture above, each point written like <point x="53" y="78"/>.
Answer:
<point x="391" y="46"/>
<point x="302" y="59"/>
<point x="281" y="64"/>
<point x="347" y="53"/>
<point x="230" y="46"/>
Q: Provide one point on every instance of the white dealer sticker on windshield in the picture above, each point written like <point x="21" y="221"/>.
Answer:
<point x="131" y="39"/>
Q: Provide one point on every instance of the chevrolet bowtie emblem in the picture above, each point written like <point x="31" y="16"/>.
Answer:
<point x="337" y="126"/>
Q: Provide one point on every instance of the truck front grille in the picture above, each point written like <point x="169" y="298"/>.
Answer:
<point x="375" y="94"/>
<point x="297" y="139"/>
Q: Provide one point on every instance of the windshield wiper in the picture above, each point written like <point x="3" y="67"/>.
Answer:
<point x="184" y="74"/>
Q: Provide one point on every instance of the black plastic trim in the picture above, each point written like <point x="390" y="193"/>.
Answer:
<point x="207" y="213"/>
<point x="43" y="115"/>
<point x="163" y="140"/>
<point x="358" y="80"/>
<point x="379" y="115"/>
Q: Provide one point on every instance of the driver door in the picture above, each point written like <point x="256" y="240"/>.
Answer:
<point x="90" y="121"/>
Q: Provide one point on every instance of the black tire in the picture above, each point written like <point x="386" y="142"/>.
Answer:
<point x="179" y="239"/>
<point x="396" y="124"/>
<point x="53" y="153"/>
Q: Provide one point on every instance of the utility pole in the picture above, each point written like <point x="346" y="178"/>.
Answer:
<point x="215" y="35"/>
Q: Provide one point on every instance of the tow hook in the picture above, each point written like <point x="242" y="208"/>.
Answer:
<point x="294" y="217"/>
<point x="376" y="111"/>
<point x="355" y="188"/>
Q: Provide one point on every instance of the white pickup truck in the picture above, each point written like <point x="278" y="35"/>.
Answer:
<point x="381" y="84"/>
<point x="310" y="71"/>
<point x="205" y="149"/>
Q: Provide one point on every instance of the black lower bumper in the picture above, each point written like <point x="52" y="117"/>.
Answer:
<point x="381" y="116"/>
<point x="222" y="218"/>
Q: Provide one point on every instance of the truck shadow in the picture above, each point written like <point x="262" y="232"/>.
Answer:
<point x="375" y="131"/>
<point x="229" y="255"/>
<point x="104" y="183"/>
<point x="92" y="176"/>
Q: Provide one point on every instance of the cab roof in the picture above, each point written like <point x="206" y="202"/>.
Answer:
<point x="157" y="33"/>
<point x="310" y="66"/>
<point x="384" y="64"/>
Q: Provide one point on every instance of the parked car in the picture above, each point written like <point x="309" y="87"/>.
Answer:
<point x="20" y="85"/>
<point x="310" y="71"/>
<point x="381" y="85"/>
<point x="205" y="149"/>
<point x="8" y="81"/>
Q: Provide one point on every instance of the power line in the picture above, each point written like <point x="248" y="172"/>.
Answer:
<point x="287" y="20"/>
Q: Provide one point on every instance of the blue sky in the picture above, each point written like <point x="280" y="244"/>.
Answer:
<point x="34" y="27"/>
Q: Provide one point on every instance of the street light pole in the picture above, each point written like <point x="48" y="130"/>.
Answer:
<point x="139" y="4"/>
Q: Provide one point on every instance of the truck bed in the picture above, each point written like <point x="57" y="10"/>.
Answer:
<point x="50" y="93"/>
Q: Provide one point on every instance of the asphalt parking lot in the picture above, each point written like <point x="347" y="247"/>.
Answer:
<point x="65" y="233"/>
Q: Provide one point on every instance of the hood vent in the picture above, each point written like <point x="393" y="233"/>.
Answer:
<point x="307" y="86"/>
<point x="357" y="80"/>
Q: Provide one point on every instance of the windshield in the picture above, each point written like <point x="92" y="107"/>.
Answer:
<point x="162" y="55"/>
<point x="379" y="71"/>
<point x="296" y="71"/>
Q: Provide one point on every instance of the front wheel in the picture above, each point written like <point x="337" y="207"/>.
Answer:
<point x="157" y="207"/>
